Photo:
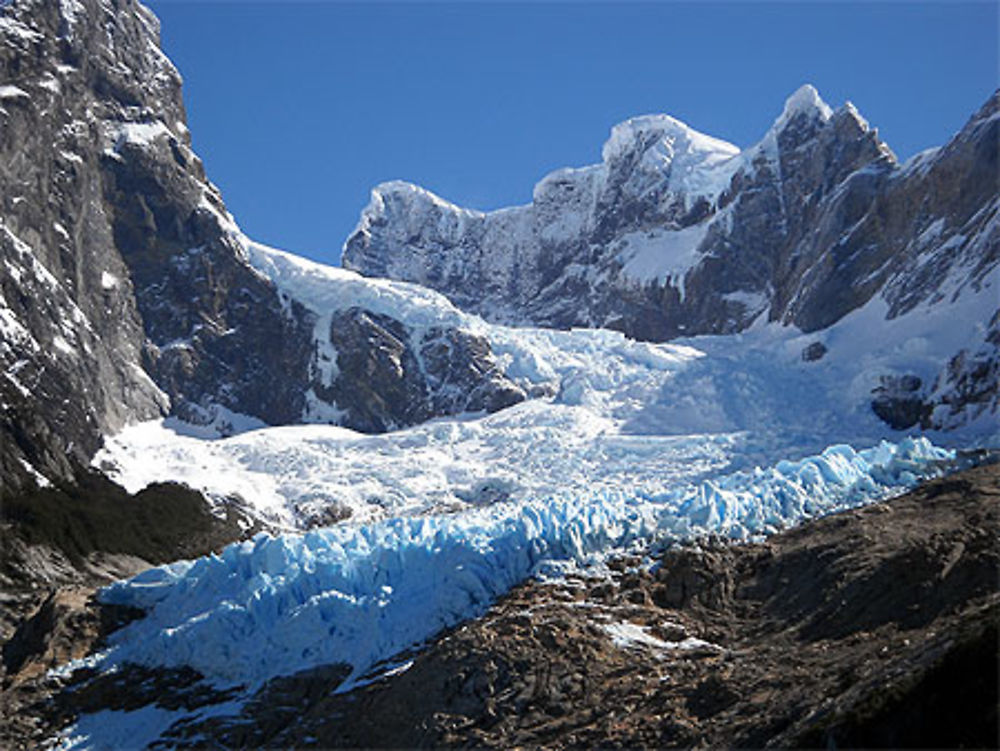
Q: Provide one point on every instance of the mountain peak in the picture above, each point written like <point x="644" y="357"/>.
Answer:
<point x="804" y="101"/>
<point x="642" y="132"/>
<point x="408" y="192"/>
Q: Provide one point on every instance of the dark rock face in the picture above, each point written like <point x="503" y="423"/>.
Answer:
<point x="217" y="330"/>
<point x="57" y="545"/>
<point x="72" y="336"/>
<point x="388" y="380"/>
<point x="126" y="291"/>
<point x="970" y="385"/>
<point x="814" y="352"/>
<point x="898" y="402"/>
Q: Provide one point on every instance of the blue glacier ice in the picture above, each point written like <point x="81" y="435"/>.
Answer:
<point x="358" y="594"/>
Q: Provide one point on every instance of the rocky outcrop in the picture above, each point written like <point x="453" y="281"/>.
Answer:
<point x="56" y="545"/>
<point x="967" y="388"/>
<point x="387" y="380"/>
<point x="970" y="385"/>
<point x="126" y="289"/>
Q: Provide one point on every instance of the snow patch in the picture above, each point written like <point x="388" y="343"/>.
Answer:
<point x="12" y="331"/>
<point x="9" y="91"/>
<point x="804" y="101"/>
<point x="12" y="27"/>
<point x="41" y="480"/>
<point x="51" y="84"/>
<point x="71" y="10"/>
<point x="751" y="301"/>
<point x="627" y="635"/>
<point x="324" y="289"/>
<point x="63" y="346"/>
<point x="137" y="134"/>
<point x="661" y="255"/>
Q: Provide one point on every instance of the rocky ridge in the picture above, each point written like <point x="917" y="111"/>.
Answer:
<point x="678" y="234"/>
<point x="126" y="288"/>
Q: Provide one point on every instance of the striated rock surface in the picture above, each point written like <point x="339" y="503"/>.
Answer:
<point x="126" y="288"/>
<point x="72" y="339"/>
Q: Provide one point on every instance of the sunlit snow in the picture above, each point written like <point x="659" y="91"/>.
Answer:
<point x="620" y="413"/>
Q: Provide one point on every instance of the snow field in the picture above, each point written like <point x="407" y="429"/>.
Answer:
<point x="292" y="475"/>
<point x="622" y="414"/>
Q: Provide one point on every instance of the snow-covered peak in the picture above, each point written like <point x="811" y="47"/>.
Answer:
<point x="654" y="150"/>
<point x="408" y="193"/>
<point x="805" y="101"/>
<point x="398" y="200"/>
<point x="663" y="138"/>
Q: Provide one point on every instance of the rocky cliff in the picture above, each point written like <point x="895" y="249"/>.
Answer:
<point x="126" y="287"/>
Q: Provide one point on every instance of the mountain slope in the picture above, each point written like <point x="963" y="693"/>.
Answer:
<point x="130" y="293"/>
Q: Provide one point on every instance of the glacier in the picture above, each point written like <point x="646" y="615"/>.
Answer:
<point x="359" y="594"/>
<point x="609" y="412"/>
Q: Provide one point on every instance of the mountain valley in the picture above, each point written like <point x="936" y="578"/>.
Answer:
<point x="502" y="471"/>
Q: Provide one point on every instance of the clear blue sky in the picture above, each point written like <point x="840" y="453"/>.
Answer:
<point x="299" y="108"/>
